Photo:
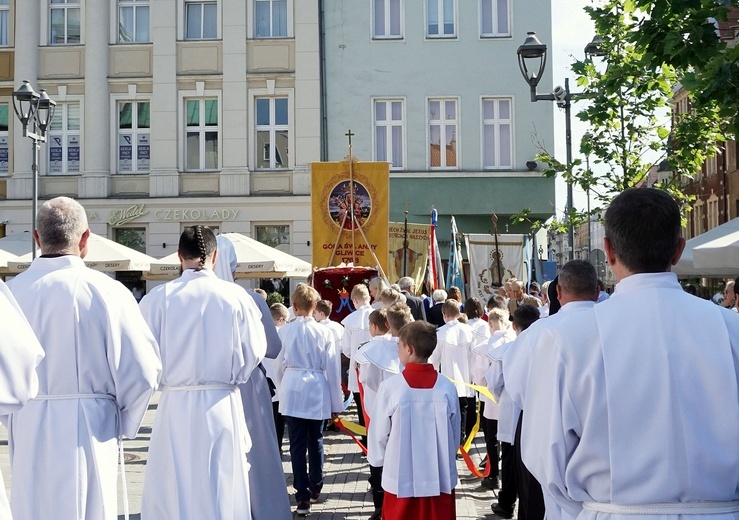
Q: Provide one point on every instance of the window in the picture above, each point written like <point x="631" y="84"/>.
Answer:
<point x="201" y="20"/>
<point x="133" y="136"/>
<point x="3" y="138"/>
<point x="389" y="133"/>
<point x="387" y="20"/>
<point x="496" y="133"/>
<point x="65" y="22"/>
<point x="440" y="21"/>
<point x="494" y="18"/>
<point x="63" y="141"/>
<point x="272" y="133"/>
<point x="133" y="21"/>
<point x="270" y="19"/>
<point x="201" y="143"/>
<point x="442" y="116"/>
<point x="4" y="16"/>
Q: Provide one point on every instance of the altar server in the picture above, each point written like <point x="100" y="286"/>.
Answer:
<point x="100" y="370"/>
<point x="415" y="432"/>
<point x="20" y="353"/>
<point x="211" y="340"/>
<point x="632" y="410"/>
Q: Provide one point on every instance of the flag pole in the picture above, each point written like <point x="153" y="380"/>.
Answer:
<point x="405" y="245"/>
<point x="494" y="218"/>
<point x="351" y="195"/>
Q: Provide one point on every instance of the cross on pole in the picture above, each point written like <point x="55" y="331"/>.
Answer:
<point x="349" y="134"/>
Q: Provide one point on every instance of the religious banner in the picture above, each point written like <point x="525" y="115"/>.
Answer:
<point x="416" y="255"/>
<point x="491" y="262"/>
<point x="335" y="284"/>
<point x="350" y="213"/>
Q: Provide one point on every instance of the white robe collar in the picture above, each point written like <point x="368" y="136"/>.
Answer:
<point x="641" y="281"/>
<point x="57" y="262"/>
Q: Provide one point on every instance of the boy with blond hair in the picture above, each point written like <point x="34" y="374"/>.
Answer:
<point x="309" y="380"/>
<point x="419" y="467"/>
<point x="322" y="315"/>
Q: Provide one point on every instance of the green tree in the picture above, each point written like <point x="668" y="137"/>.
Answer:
<point x="626" y="95"/>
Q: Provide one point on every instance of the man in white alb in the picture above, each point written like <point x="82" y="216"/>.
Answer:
<point x="632" y="411"/>
<point x="100" y="370"/>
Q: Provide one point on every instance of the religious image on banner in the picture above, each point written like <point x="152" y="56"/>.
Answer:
<point x="416" y="257"/>
<point x="491" y="266"/>
<point x="350" y="213"/>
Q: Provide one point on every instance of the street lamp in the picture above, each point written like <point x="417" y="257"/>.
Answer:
<point x="38" y="109"/>
<point x="535" y="53"/>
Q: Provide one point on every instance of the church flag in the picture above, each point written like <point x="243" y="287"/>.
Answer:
<point x="435" y="267"/>
<point x="416" y="255"/>
<point x="487" y="263"/>
<point x="454" y="269"/>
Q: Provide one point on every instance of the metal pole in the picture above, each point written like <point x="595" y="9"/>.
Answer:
<point x="568" y="136"/>
<point x="34" y="202"/>
<point x="590" y="237"/>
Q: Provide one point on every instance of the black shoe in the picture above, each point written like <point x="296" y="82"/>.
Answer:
<point x="377" y="515"/>
<point x="483" y="463"/>
<point x="503" y="513"/>
<point x="315" y="497"/>
<point x="490" y="483"/>
<point x="303" y="509"/>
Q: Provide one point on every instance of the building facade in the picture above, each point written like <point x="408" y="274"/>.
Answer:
<point x="433" y="87"/>
<point x="169" y="113"/>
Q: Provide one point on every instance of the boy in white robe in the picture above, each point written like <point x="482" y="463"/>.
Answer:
<point x="500" y="333"/>
<point x="453" y="357"/>
<point x="95" y="383"/>
<point x="211" y="339"/>
<point x="322" y="315"/>
<point x="419" y="467"/>
<point x="632" y="412"/>
<point x="356" y="332"/>
<point x="308" y="378"/>
<point x="378" y="360"/>
<point x="20" y="353"/>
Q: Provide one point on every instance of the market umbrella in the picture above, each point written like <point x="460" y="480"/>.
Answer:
<point x="710" y="254"/>
<point x="254" y="260"/>
<point x="103" y="254"/>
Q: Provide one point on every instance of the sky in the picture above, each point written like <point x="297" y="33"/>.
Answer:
<point x="572" y="31"/>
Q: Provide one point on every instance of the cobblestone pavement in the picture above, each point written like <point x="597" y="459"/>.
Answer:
<point x="345" y="494"/>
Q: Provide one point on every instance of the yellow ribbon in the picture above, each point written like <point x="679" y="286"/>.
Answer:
<point x="482" y="389"/>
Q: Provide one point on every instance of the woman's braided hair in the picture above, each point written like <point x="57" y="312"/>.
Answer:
<point x="197" y="242"/>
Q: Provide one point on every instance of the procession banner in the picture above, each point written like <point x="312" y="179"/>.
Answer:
<point x="341" y="219"/>
<point x="487" y="263"/>
<point x="417" y="255"/>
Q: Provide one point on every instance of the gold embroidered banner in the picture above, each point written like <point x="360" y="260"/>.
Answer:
<point x="417" y="255"/>
<point x="350" y="218"/>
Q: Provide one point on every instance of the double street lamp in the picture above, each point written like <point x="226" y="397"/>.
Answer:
<point x="535" y="53"/>
<point x="36" y="109"/>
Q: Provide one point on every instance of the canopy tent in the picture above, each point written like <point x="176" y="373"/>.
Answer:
<point x="712" y="254"/>
<point x="103" y="254"/>
<point x="254" y="260"/>
<point x="6" y="257"/>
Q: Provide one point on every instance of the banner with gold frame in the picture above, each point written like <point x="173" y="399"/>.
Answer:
<point x="417" y="255"/>
<point x="350" y="213"/>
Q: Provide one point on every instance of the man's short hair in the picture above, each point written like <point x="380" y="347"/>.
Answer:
<point x="278" y="310"/>
<point x="304" y="297"/>
<point x="643" y="228"/>
<point x="60" y="224"/>
<point x="473" y="308"/>
<point x="378" y="318"/>
<point x="439" y="295"/>
<point x="534" y="286"/>
<point x="406" y="283"/>
<point x="421" y="335"/>
<point x="398" y="316"/>
<point x="496" y="301"/>
<point x="578" y="278"/>
<point x="377" y="283"/>
<point x="450" y="308"/>
<point x="325" y="306"/>
<point x="360" y="293"/>
<point x="524" y="316"/>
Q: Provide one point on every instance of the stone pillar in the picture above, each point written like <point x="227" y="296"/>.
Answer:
<point x="27" y="36"/>
<point x="235" y="174"/>
<point x="307" y="113"/>
<point x="95" y="180"/>
<point x="164" y="175"/>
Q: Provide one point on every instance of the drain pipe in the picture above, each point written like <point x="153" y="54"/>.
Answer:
<point x="322" y="58"/>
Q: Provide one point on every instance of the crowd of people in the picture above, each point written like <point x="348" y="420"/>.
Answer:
<point x="591" y="406"/>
